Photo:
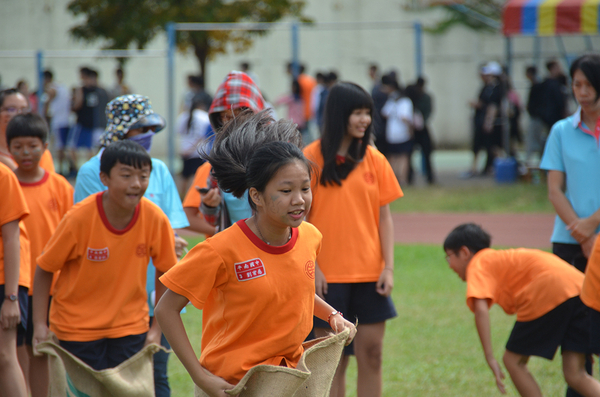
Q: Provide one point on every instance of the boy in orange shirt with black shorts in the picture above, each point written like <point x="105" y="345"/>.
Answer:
<point x="542" y="289"/>
<point x="49" y="196"/>
<point x="14" y="281"/>
<point x="102" y="248"/>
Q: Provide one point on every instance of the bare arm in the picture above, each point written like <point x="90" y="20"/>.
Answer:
<point x="41" y="285"/>
<point x="490" y="116"/>
<point x="385" y="284"/>
<point x="581" y="228"/>
<point x="77" y="99"/>
<point x="197" y="222"/>
<point x="482" y="322"/>
<point x="167" y="313"/>
<point x="10" y="314"/>
<point x="338" y="323"/>
<point x="155" y="332"/>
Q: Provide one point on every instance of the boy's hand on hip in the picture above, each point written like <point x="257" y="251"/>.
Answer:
<point x="10" y="314"/>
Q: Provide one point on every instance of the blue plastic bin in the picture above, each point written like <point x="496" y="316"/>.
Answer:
<point x="506" y="170"/>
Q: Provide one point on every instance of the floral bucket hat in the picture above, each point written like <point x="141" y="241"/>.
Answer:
<point x="129" y="112"/>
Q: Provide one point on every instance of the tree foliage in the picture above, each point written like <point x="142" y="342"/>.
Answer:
<point x="121" y="24"/>
<point x="474" y="14"/>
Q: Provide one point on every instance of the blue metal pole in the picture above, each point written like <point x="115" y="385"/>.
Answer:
<point x="40" y="78"/>
<point x="171" y="96"/>
<point x="418" y="48"/>
<point x="295" y="50"/>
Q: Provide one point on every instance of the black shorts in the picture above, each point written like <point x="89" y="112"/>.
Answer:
<point x="594" y="330"/>
<point x="105" y="353"/>
<point x="358" y="301"/>
<point x="567" y="326"/>
<point x="190" y="165"/>
<point x="400" y="148"/>
<point x="23" y="306"/>
<point x="29" y="330"/>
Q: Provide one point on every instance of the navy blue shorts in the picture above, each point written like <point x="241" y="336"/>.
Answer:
<point x="400" y="148"/>
<point x="29" y="330"/>
<point x="81" y="137"/>
<point x="23" y="306"/>
<point x="357" y="301"/>
<point x="62" y="137"/>
<point x="105" y="353"/>
<point x="567" y="326"/>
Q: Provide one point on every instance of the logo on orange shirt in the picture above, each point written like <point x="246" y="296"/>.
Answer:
<point x="248" y="270"/>
<point x="369" y="178"/>
<point x="309" y="269"/>
<point x="97" y="255"/>
<point x="141" y="250"/>
<point x="52" y="204"/>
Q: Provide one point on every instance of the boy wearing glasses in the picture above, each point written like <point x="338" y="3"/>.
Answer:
<point x="12" y="102"/>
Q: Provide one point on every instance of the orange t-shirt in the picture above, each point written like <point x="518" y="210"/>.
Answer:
<point x="348" y="217"/>
<point x="101" y="290"/>
<point x="306" y="83"/>
<point x="48" y="200"/>
<point x="528" y="282"/>
<point x="14" y="207"/>
<point x="590" y="293"/>
<point x="46" y="161"/>
<point x="192" y="197"/>
<point x="257" y="300"/>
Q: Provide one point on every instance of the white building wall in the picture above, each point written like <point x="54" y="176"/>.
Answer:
<point x="450" y="60"/>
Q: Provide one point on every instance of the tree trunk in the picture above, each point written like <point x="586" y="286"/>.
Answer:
<point x="201" y="52"/>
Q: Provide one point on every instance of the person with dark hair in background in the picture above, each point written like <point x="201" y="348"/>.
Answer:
<point x="120" y="88"/>
<point x="554" y="106"/>
<point x="423" y="106"/>
<point x="193" y="128"/>
<point x="380" y="97"/>
<point x="535" y="138"/>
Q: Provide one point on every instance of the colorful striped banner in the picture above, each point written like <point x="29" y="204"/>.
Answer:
<point x="551" y="17"/>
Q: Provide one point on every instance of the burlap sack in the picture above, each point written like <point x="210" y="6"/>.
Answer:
<point x="71" y="377"/>
<point x="311" y="378"/>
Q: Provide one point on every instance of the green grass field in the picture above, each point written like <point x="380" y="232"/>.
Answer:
<point x="514" y="198"/>
<point x="431" y="348"/>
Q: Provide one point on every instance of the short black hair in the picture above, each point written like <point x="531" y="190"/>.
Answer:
<point x="125" y="152"/>
<point x="27" y="125"/>
<point x="467" y="235"/>
<point x="590" y="67"/>
<point x="532" y="69"/>
<point x="8" y="92"/>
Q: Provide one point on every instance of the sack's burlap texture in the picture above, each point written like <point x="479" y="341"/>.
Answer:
<point x="71" y="377"/>
<point x="311" y="378"/>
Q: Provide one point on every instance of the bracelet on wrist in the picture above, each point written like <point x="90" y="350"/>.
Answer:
<point x="333" y="313"/>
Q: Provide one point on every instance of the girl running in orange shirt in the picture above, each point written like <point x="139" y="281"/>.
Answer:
<point x="355" y="268"/>
<point x="254" y="281"/>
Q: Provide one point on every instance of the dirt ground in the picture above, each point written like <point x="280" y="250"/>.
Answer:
<point x="507" y="230"/>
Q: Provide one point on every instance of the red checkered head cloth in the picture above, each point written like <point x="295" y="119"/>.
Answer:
<point x="236" y="91"/>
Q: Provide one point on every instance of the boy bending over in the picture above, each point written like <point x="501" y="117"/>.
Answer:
<point x="102" y="248"/>
<point x="542" y="290"/>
